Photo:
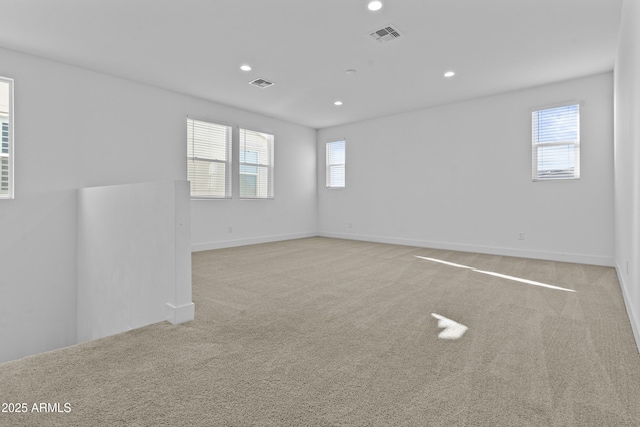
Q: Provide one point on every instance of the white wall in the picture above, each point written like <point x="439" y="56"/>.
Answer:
<point x="459" y="177"/>
<point x="134" y="257"/>
<point x="76" y="128"/>
<point x="627" y="161"/>
<point x="37" y="272"/>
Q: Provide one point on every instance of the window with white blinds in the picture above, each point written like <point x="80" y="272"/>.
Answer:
<point x="209" y="159"/>
<point x="556" y="143"/>
<point x="256" y="165"/>
<point x="335" y="164"/>
<point x="6" y="138"/>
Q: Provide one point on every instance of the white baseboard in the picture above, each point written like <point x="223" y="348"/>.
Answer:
<point x="182" y="314"/>
<point x="634" y="317"/>
<point x="491" y="250"/>
<point x="197" y="247"/>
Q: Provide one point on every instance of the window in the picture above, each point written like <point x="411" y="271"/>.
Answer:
<point x="248" y="174"/>
<point x="209" y="159"/>
<point x="336" y="164"/>
<point x="556" y="143"/>
<point x="6" y="138"/>
<point x="256" y="165"/>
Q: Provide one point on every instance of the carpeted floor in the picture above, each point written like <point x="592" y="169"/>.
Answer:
<point x="325" y="332"/>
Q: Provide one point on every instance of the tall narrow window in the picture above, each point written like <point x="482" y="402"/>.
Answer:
<point x="209" y="159"/>
<point x="556" y="143"/>
<point x="256" y="165"/>
<point x="336" y="164"/>
<point x="6" y="138"/>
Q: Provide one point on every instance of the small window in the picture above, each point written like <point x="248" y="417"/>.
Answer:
<point x="6" y="138"/>
<point x="336" y="157"/>
<point x="209" y="159"/>
<point x="256" y="165"/>
<point x="556" y="143"/>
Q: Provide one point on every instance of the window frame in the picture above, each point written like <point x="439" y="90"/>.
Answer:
<point x="269" y="166"/>
<point x="329" y="165"/>
<point x="228" y="162"/>
<point x="535" y="145"/>
<point x="10" y="154"/>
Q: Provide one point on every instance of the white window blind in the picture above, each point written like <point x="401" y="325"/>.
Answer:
<point x="209" y="159"/>
<point x="256" y="165"/>
<point x="6" y="138"/>
<point x="336" y="162"/>
<point x="556" y="143"/>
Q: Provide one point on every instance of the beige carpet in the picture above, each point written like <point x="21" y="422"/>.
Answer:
<point x="325" y="332"/>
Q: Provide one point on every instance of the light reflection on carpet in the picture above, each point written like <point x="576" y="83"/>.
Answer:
<point x="452" y="330"/>
<point x="503" y="276"/>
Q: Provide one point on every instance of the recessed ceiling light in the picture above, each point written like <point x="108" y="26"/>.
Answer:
<point x="374" y="5"/>
<point x="338" y="103"/>
<point x="350" y="72"/>
<point x="245" y="68"/>
<point x="449" y="74"/>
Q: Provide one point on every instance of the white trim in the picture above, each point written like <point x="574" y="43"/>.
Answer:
<point x="198" y="247"/>
<point x="181" y="314"/>
<point x="634" y="318"/>
<point x="491" y="250"/>
<point x="258" y="129"/>
<point x="11" y="158"/>
<point x="209" y="120"/>
<point x="557" y="105"/>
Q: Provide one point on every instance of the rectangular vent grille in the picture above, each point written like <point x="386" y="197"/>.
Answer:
<point x="261" y="83"/>
<point x="386" y="34"/>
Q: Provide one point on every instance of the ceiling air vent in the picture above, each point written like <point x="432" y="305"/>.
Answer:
<point x="261" y="83"/>
<point x="386" y="34"/>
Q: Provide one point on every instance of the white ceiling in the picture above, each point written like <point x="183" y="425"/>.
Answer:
<point x="197" y="46"/>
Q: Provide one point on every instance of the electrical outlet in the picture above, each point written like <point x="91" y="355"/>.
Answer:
<point x="350" y="225"/>
<point x="231" y="229"/>
<point x="521" y="236"/>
